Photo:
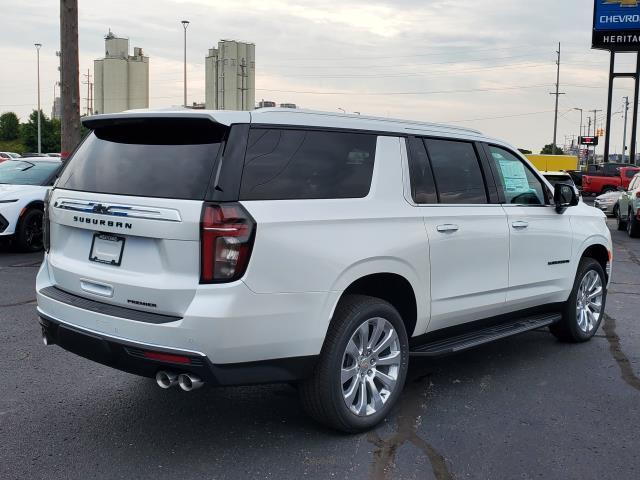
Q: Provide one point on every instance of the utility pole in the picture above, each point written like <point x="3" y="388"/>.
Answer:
<point x="243" y="66"/>
<point x="595" y="131"/>
<point x="624" y="135"/>
<point x="557" y="93"/>
<point x="38" y="45"/>
<point x="185" y="24"/>
<point x="70" y="90"/>
<point x="88" y="84"/>
<point x="588" y="147"/>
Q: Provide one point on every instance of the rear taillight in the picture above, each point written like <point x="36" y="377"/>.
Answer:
<point x="46" y="229"/>
<point x="226" y="237"/>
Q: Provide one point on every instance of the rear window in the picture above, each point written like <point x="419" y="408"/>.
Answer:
<point x="170" y="158"/>
<point x="297" y="164"/>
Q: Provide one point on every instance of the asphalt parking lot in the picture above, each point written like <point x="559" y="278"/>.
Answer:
<point x="526" y="407"/>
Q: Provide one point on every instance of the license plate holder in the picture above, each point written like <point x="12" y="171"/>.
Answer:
<point x="107" y="249"/>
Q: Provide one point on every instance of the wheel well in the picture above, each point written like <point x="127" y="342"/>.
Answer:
<point x="598" y="253"/>
<point x="393" y="288"/>
<point x="35" y="204"/>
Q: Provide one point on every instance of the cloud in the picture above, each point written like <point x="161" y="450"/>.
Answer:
<point x="492" y="61"/>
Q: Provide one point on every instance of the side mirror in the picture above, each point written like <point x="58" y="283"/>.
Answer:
<point x="564" y="196"/>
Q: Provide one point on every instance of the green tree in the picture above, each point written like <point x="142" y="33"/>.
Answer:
<point x="524" y="151"/>
<point x="9" y="126"/>
<point x="549" y="150"/>
<point x="50" y="133"/>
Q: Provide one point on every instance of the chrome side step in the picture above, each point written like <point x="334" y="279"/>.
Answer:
<point x="483" y="335"/>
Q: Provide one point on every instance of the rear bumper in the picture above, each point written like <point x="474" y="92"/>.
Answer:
<point x="129" y="357"/>
<point x="242" y="337"/>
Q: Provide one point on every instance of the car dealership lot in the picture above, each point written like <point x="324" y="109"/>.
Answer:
<point x="524" y="407"/>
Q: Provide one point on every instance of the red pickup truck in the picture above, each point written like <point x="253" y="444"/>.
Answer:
<point x="599" y="182"/>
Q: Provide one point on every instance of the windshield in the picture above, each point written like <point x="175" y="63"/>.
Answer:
<point x="24" y="172"/>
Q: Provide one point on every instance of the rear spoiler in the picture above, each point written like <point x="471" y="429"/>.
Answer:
<point x="130" y="118"/>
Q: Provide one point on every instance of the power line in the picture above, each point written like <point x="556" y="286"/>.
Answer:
<point x="431" y="92"/>
<point x="377" y="65"/>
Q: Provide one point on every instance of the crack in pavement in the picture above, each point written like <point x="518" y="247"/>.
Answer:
<point x="17" y="304"/>
<point x="408" y="420"/>
<point x="628" y="375"/>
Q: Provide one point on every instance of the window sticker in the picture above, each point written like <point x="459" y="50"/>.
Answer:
<point x="513" y="174"/>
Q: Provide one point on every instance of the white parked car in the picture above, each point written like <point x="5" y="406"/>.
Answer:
<point x="608" y="203"/>
<point x="23" y="185"/>
<point x="285" y="245"/>
<point x="8" y="155"/>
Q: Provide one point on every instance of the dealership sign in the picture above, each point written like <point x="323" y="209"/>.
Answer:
<point x="616" y="25"/>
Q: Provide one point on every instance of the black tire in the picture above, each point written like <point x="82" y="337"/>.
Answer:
<point x="567" y="329"/>
<point x="608" y="189"/>
<point x="614" y="213"/>
<point x="322" y="394"/>
<point x="29" y="231"/>
<point x="622" y="224"/>
<point x="633" y="225"/>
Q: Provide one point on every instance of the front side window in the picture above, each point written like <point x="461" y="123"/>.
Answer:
<point x="457" y="173"/>
<point x="519" y="184"/>
<point x="300" y="164"/>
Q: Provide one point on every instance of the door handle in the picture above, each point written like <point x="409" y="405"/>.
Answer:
<point x="447" y="227"/>
<point x="520" y="225"/>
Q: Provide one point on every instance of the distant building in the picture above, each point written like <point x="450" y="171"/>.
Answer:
<point x="270" y="104"/>
<point x="266" y="104"/>
<point x="230" y="76"/>
<point x="121" y="80"/>
<point x="56" y="110"/>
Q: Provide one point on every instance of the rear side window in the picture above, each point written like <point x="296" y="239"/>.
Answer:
<point x="423" y="189"/>
<point x="630" y="173"/>
<point x="457" y="173"/>
<point x="297" y="164"/>
<point x="169" y="158"/>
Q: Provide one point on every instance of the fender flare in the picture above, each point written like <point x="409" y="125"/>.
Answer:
<point x="393" y="265"/>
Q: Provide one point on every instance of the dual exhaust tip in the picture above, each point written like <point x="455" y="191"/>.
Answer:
<point x="186" y="381"/>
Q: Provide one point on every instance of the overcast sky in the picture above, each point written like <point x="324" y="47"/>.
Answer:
<point x="487" y="64"/>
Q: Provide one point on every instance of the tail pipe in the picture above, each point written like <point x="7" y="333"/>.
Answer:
<point x="166" y="379"/>
<point x="189" y="381"/>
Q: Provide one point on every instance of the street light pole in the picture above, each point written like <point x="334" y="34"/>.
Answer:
<point x="580" y="133"/>
<point x="624" y="135"/>
<point x="185" y="24"/>
<point x="38" y="45"/>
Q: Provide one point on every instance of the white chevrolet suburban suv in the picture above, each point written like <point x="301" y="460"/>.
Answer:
<point x="323" y="250"/>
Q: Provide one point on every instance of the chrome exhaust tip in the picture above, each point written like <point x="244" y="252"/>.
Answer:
<point x="45" y="339"/>
<point x="189" y="381"/>
<point x="166" y="379"/>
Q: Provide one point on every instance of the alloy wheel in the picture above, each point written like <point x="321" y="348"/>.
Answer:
<point x="589" y="301"/>
<point x="370" y="366"/>
<point x="33" y="232"/>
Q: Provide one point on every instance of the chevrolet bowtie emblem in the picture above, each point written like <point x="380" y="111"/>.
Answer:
<point x="622" y="3"/>
<point x="100" y="209"/>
